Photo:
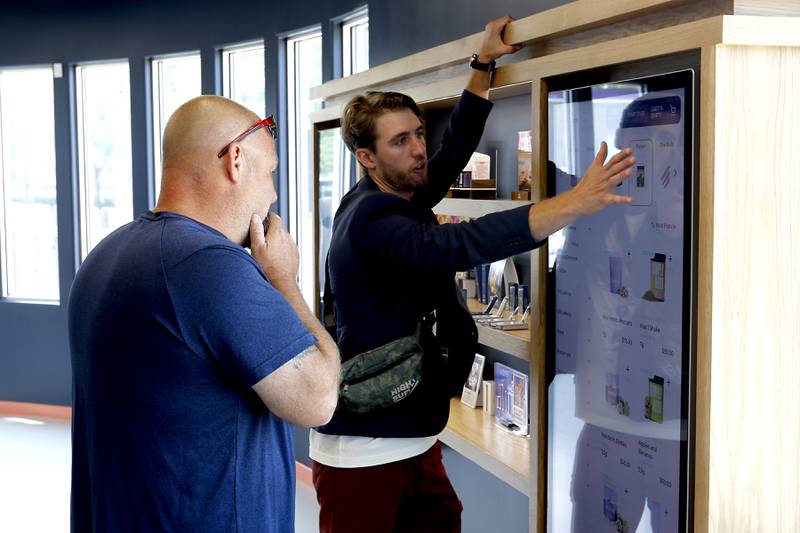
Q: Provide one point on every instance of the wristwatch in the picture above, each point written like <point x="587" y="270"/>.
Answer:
<point x="477" y="65"/>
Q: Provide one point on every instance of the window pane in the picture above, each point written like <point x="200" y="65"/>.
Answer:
<point x="175" y="80"/>
<point x="360" y="47"/>
<point x="355" y="45"/>
<point x="104" y="145"/>
<point x="29" y="225"/>
<point x="243" y="77"/>
<point x="304" y="71"/>
<point x="335" y="178"/>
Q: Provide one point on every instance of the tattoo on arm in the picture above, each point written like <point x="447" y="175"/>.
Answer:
<point x="296" y="361"/>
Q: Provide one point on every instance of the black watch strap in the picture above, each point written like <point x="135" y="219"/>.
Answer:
<point x="477" y="65"/>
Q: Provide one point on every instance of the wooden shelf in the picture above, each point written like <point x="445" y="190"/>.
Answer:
<point x="516" y="343"/>
<point x="475" y="208"/>
<point x="473" y="434"/>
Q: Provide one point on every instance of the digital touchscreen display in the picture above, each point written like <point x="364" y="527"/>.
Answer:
<point x="620" y="363"/>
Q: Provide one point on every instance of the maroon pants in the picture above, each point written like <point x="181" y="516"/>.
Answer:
<point x="412" y="495"/>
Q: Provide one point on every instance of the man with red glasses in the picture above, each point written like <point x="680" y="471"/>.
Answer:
<point x="189" y="354"/>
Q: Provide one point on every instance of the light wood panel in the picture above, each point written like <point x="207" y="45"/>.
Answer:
<point x="705" y="225"/>
<point x="669" y="16"/>
<point x="761" y="31"/>
<point x="684" y="37"/>
<point x="580" y="15"/>
<point x="747" y="433"/>
<point x="571" y="17"/>
<point x="689" y="36"/>
<point x="754" y="464"/>
<point x="752" y="30"/>
<point x="473" y="434"/>
<point x="539" y="323"/>
<point x="767" y="7"/>
<point x="415" y="64"/>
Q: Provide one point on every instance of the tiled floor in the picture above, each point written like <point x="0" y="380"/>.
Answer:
<point x="35" y="478"/>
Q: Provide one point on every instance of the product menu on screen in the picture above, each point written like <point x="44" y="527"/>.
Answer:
<point x="619" y="314"/>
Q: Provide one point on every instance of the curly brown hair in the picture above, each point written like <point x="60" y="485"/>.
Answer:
<point x="362" y="112"/>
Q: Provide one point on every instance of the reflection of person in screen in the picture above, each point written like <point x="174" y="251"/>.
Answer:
<point x="628" y="451"/>
<point x="472" y="380"/>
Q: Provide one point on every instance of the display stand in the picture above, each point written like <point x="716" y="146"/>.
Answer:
<point x="746" y="431"/>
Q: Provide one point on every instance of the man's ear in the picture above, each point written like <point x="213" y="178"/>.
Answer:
<point x="234" y="162"/>
<point x="366" y="157"/>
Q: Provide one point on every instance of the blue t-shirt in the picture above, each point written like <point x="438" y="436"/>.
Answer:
<point x="170" y="325"/>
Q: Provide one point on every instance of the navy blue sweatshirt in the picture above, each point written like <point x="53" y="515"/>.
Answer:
<point x="391" y="263"/>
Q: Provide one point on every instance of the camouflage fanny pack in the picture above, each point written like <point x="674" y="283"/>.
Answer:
<point x="382" y="376"/>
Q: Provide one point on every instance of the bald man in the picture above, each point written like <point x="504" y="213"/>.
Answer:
<point x="189" y="354"/>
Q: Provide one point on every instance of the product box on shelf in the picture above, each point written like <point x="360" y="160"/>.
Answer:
<point x="511" y="398"/>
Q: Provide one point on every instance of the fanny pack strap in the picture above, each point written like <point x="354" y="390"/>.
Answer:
<point x="328" y="313"/>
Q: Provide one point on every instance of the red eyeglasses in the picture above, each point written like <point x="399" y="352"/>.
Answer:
<point x="268" y="123"/>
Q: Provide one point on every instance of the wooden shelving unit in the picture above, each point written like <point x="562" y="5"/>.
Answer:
<point x="473" y="434"/>
<point x="515" y="342"/>
<point x="760" y="38"/>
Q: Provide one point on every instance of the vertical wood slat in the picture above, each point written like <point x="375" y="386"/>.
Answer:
<point x="754" y="400"/>
<point x="538" y="316"/>
<point x="704" y="285"/>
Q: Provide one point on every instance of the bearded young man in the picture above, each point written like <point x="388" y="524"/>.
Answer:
<point x="390" y="266"/>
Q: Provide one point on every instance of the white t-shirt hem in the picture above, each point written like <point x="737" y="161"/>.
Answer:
<point x="344" y="451"/>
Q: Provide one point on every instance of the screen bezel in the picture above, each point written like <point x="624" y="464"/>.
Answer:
<point x="669" y="72"/>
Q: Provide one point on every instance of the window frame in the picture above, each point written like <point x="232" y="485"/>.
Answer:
<point x="350" y="22"/>
<point x="80" y="149"/>
<point x="5" y="254"/>
<point x="294" y="165"/>
<point x="227" y="73"/>
<point x="157" y="119"/>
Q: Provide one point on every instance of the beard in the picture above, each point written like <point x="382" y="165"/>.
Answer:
<point x="405" y="181"/>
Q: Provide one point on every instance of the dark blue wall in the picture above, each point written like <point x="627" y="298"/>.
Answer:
<point x="34" y="355"/>
<point x="33" y="346"/>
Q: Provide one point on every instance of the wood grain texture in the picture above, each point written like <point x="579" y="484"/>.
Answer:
<point x="773" y="31"/>
<point x="645" y="21"/>
<point x="578" y="16"/>
<point x="681" y="27"/>
<point x="689" y="36"/>
<point x="415" y="64"/>
<point x="770" y="8"/>
<point x="754" y="464"/>
<point x="761" y="31"/>
<point x="539" y="323"/>
<point x="514" y="78"/>
<point x="747" y="432"/>
<point x="568" y="18"/>
<point x="705" y="225"/>
<point x="474" y="434"/>
<point x="666" y="41"/>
